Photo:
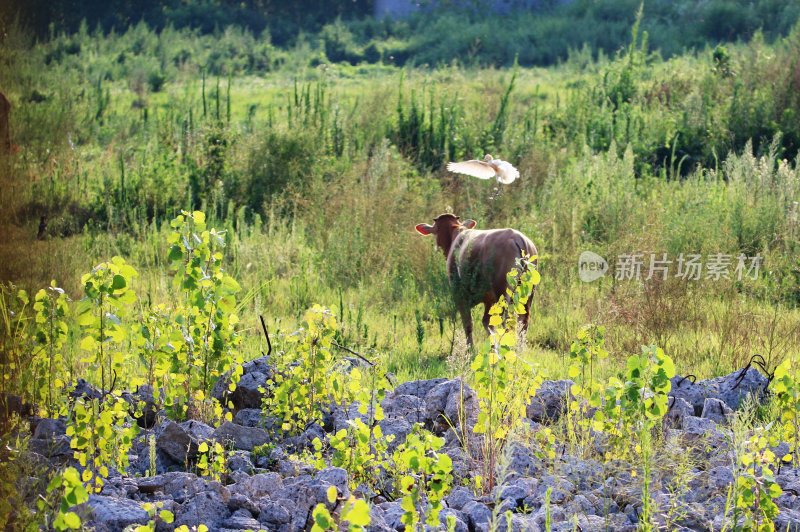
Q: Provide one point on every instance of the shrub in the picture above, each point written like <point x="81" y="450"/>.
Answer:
<point x="156" y="81"/>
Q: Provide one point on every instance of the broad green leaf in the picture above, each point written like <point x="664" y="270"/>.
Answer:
<point x="230" y="284"/>
<point x="175" y="254"/>
<point x="407" y="504"/>
<point x="358" y="514"/>
<point x="322" y="518"/>
<point x="118" y="283"/>
<point x="508" y="339"/>
<point x="332" y="494"/>
<point x="669" y="367"/>
<point x="85" y="318"/>
<point x="71" y="520"/>
<point x="477" y="363"/>
<point x="128" y="271"/>
<point x="89" y="344"/>
<point x="227" y="304"/>
<point x="127" y="298"/>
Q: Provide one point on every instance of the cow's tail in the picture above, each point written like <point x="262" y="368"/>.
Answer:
<point x="525" y="252"/>
<point x="527" y="261"/>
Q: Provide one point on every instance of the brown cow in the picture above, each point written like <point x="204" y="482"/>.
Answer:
<point x="477" y="264"/>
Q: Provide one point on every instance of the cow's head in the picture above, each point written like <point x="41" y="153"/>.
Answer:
<point x="445" y="227"/>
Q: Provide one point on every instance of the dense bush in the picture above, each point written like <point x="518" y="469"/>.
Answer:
<point x="283" y="19"/>
<point x="442" y="33"/>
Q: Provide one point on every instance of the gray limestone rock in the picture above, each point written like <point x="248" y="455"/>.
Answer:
<point x="115" y="513"/>
<point x="242" y="438"/>
<point x="716" y="410"/>
<point x="205" y="508"/>
<point x="549" y="402"/>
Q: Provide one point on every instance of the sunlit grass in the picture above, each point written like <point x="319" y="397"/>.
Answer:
<point x="337" y="228"/>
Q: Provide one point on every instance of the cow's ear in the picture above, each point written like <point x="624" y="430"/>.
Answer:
<point x="469" y="224"/>
<point x="424" y="229"/>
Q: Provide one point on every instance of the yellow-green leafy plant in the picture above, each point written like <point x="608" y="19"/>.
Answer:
<point x="15" y="339"/>
<point x="16" y="465"/>
<point x="108" y="296"/>
<point x="631" y="410"/>
<point x="785" y="386"/>
<point x="303" y="382"/>
<point x="587" y="348"/>
<point x="354" y="512"/>
<point x="158" y="340"/>
<point x="49" y="366"/>
<point x="548" y="520"/>
<point x="101" y="435"/>
<point x="69" y="492"/>
<point x="264" y="450"/>
<point x="755" y="487"/>
<point x="157" y="515"/>
<point x="424" y="478"/>
<point x="361" y="448"/>
<point x="207" y="317"/>
<point x="9" y="471"/>
<point x="585" y="351"/>
<point x="198" y="528"/>
<point x="641" y="401"/>
<point x="212" y="461"/>
<point x="545" y="448"/>
<point x="97" y="426"/>
<point x="504" y="382"/>
<point x="368" y="390"/>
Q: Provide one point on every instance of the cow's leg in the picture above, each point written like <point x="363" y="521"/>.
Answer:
<point x="524" y="319"/>
<point x="488" y="300"/>
<point x="466" y="321"/>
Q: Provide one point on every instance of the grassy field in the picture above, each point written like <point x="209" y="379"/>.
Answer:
<point x="319" y="172"/>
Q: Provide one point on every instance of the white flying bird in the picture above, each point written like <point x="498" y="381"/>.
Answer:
<point x="486" y="169"/>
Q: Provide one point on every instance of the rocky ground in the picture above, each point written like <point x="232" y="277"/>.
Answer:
<point x="269" y="491"/>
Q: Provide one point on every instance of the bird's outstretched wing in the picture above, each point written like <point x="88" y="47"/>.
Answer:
<point x="506" y="173"/>
<point x="474" y="168"/>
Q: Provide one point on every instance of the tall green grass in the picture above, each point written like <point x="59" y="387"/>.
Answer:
<point x="319" y="174"/>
